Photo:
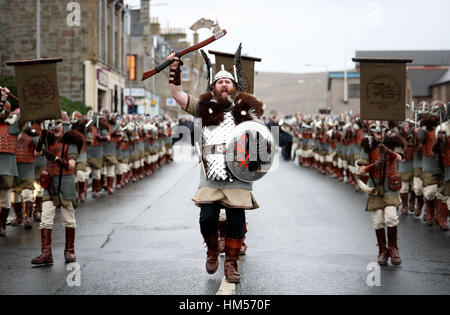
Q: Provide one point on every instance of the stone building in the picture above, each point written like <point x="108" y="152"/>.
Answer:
<point x="93" y="70"/>
<point x="149" y="47"/>
<point x="441" y="88"/>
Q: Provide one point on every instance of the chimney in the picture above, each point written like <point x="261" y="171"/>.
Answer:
<point x="146" y="27"/>
<point x="155" y="26"/>
<point x="195" y="38"/>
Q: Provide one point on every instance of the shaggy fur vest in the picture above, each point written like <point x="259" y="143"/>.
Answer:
<point x="243" y="107"/>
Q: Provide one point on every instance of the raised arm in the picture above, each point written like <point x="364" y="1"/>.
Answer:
<point x="176" y="90"/>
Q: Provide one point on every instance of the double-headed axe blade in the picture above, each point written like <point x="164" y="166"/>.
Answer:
<point x="202" y="23"/>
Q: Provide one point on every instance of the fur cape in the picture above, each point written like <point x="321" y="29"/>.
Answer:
<point x="212" y="109"/>
<point x="430" y="122"/>
<point x="391" y="142"/>
<point x="74" y="137"/>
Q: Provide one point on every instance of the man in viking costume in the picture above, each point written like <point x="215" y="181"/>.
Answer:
<point x="61" y="148"/>
<point x="81" y="173"/>
<point x="9" y="129"/>
<point x="378" y="158"/>
<point x="442" y="148"/>
<point x="221" y="109"/>
<point x="23" y="197"/>
<point x="432" y="174"/>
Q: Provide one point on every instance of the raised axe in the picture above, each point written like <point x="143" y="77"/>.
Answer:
<point x="202" y="23"/>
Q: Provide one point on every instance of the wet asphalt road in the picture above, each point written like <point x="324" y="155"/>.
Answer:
<point x="310" y="236"/>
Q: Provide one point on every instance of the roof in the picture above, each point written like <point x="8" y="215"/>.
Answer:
<point x="422" y="80"/>
<point x="224" y="54"/>
<point x="419" y="57"/>
<point x="443" y="79"/>
<point x="341" y="75"/>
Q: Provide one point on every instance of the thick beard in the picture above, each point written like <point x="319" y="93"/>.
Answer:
<point x="218" y="94"/>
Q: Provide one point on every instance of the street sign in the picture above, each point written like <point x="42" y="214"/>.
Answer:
<point x="130" y="100"/>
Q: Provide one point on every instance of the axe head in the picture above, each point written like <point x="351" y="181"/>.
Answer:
<point x="208" y="24"/>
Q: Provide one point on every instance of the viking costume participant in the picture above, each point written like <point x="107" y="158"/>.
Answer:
<point x="109" y="151"/>
<point x="380" y="160"/>
<point x="406" y="168"/>
<point x="23" y="197"/>
<point x="221" y="109"/>
<point x="432" y="174"/>
<point x="135" y="157"/>
<point x="61" y="148"/>
<point x="141" y="148"/>
<point x="442" y="148"/>
<point x="9" y="129"/>
<point x="97" y="131"/>
<point x="422" y="112"/>
<point x="122" y="153"/>
<point x="81" y="172"/>
<point x="40" y="164"/>
<point x="358" y="135"/>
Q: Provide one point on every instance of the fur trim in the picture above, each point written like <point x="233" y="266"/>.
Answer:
<point x="211" y="110"/>
<point x="393" y="142"/>
<point x="368" y="144"/>
<point x="246" y="106"/>
<point x="80" y="126"/>
<point x="103" y="124"/>
<point x="74" y="137"/>
<point x="431" y="122"/>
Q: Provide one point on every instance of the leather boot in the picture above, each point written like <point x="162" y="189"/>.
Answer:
<point x="341" y="174"/>
<point x="244" y="246"/>
<point x="104" y="183"/>
<point x="110" y="181"/>
<point x="442" y="214"/>
<point x="212" y="259"/>
<point x="18" y="214"/>
<point x="96" y="186"/>
<point x="412" y="201"/>
<point x="232" y="249"/>
<point x="404" y="198"/>
<point x="419" y="206"/>
<point x="392" y="246"/>
<point x="134" y="174"/>
<point x="28" y="213"/>
<point x="37" y="209"/>
<point x="118" y="181"/>
<point x="69" y="249"/>
<point x="222" y="235"/>
<point x="4" y="213"/>
<point x="46" y="257"/>
<point x="81" y="192"/>
<point x="383" y="254"/>
<point x="430" y="212"/>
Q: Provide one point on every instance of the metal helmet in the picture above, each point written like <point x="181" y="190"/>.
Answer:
<point x="250" y="151"/>
<point x="377" y="126"/>
<point x="90" y="115"/>
<point x="76" y="116"/>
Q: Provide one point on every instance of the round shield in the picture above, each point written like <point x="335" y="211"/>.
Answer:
<point x="250" y="151"/>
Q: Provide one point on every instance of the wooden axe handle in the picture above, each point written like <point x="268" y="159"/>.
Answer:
<point x="167" y="63"/>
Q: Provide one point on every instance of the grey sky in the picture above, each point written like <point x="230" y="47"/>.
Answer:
<point x="287" y="34"/>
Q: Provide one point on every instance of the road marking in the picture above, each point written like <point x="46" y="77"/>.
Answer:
<point x="226" y="288"/>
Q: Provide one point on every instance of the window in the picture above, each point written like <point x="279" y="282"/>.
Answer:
<point x="185" y="73"/>
<point x="353" y="90"/>
<point x="131" y="67"/>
